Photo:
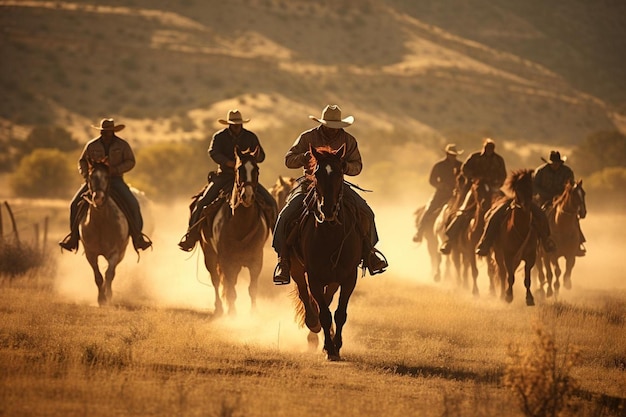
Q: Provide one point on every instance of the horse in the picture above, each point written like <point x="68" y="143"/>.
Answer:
<point x="516" y="240"/>
<point x="281" y="189"/>
<point x="234" y="238"/>
<point x="563" y="217"/>
<point x="479" y="195"/>
<point x="104" y="230"/>
<point x="328" y="250"/>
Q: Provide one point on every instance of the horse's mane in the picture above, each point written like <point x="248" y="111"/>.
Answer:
<point x="518" y="178"/>
<point x="561" y="197"/>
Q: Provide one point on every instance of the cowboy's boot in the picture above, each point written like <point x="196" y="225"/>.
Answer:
<point x="70" y="242"/>
<point x="188" y="242"/>
<point x="418" y="235"/>
<point x="140" y="241"/>
<point x="581" y="251"/>
<point x="282" y="274"/>
<point x="376" y="262"/>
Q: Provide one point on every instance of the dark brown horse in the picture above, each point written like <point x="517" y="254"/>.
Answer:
<point x="563" y="216"/>
<point x="281" y="189"/>
<point x="104" y="230"/>
<point x="328" y="251"/>
<point x="235" y="237"/>
<point x="516" y="240"/>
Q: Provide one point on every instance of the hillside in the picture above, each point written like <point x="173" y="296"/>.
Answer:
<point x="526" y="73"/>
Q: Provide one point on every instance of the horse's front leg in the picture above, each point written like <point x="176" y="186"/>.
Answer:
<point x="229" y="282"/>
<point x="341" y="314"/>
<point x="311" y="314"/>
<point x="253" y="288"/>
<point x="570" y="261"/>
<point x="510" y="274"/>
<point x="474" y="267"/>
<point x="326" y="319"/>
<point x="528" y="266"/>
<point x="210" y="262"/>
<point x="93" y="262"/>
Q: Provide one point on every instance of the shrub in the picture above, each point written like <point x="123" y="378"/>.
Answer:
<point x="539" y="377"/>
<point x="45" y="173"/>
<point x="16" y="258"/>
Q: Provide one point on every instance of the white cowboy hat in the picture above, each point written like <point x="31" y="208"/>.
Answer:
<point x="109" y="124"/>
<point x="451" y="149"/>
<point x="331" y="117"/>
<point x="233" y="118"/>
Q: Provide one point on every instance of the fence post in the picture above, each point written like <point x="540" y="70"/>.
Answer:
<point x="44" y="243"/>
<point x="17" y="235"/>
<point x="1" y="227"/>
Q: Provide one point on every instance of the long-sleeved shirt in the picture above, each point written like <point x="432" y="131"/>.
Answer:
<point x="120" y="156"/>
<point x="222" y="148"/>
<point x="296" y="158"/>
<point x="488" y="168"/>
<point x="549" y="183"/>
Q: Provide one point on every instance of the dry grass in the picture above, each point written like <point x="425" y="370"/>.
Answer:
<point x="409" y="350"/>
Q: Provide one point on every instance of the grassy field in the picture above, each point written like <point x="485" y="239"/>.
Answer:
<point x="411" y="347"/>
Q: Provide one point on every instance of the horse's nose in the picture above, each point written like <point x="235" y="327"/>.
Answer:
<point x="98" y="198"/>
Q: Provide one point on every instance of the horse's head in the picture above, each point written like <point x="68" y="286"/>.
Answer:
<point x="520" y="182"/>
<point x="281" y="189"/>
<point x="577" y="198"/>
<point x="327" y="167"/>
<point x="98" y="182"/>
<point x="246" y="177"/>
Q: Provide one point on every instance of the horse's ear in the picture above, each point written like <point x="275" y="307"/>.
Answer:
<point x="281" y="181"/>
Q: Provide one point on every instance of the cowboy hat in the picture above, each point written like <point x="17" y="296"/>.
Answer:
<point x="331" y="117"/>
<point x="555" y="156"/>
<point x="451" y="149"/>
<point x="233" y="118"/>
<point x="109" y="124"/>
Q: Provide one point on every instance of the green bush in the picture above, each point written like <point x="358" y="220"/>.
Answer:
<point x="171" y="169"/>
<point x="45" y="173"/>
<point x="605" y="188"/>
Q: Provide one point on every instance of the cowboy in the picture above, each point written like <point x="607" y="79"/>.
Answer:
<point x="485" y="165"/>
<point x="222" y="151"/>
<point x="443" y="178"/>
<point x="330" y="133"/>
<point x="549" y="182"/>
<point x="118" y="155"/>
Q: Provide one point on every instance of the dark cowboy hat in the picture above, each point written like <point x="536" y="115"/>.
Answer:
<point x="555" y="156"/>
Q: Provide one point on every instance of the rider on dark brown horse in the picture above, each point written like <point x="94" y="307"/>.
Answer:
<point x="485" y="165"/>
<point x="119" y="157"/>
<point x="549" y="182"/>
<point x="496" y="217"/>
<point x="330" y="133"/>
<point x="222" y="151"/>
<point x="443" y="178"/>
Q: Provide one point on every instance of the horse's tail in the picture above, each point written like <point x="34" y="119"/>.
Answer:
<point x="298" y="306"/>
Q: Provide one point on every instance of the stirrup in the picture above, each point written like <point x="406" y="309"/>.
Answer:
<point x="445" y="248"/>
<point x="187" y="243"/>
<point x="381" y="262"/>
<point x="279" y="277"/>
<point x="68" y="244"/>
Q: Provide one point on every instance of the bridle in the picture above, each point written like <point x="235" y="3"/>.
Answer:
<point x="98" y="193"/>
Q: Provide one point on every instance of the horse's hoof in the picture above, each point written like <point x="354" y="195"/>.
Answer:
<point x="508" y="298"/>
<point x="567" y="284"/>
<point x="313" y="341"/>
<point x="530" y="302"/>
<point x="333" y="357"/>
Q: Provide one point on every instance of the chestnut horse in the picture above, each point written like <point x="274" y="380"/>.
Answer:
<point x="281" y="189"/>
<point x="516" y="240"/>
<point x="328" y="251"/>
<point x="563" y="216"/>
<point x="235" y="237"/>
<point x="104" y="230"/>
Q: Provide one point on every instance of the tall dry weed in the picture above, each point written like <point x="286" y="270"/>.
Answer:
<point x="540" y="376"/>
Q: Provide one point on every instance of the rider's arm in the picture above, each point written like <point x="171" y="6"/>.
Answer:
<point x="127" y="160"/>
<point x="295" y="156"/>
<point x="218" y="150"/>
<point x="260" y="157"/>
<point x="354" y="164"/>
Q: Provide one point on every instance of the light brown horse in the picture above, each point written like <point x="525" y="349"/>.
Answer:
<point x="104" y="230"/>
<point x="235" y="237"/>
<point x="281" y="189"/>
<point x="516" y="240"/>
<point x="328" y="251"/>
<point x="563" y="217"/>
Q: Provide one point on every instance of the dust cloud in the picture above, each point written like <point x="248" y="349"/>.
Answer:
<point x="168" y="278"/>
